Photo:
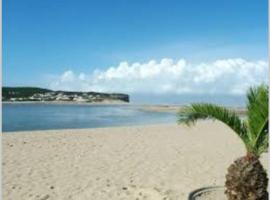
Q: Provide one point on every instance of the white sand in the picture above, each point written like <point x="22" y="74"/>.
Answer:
<point x="158" y="162"/>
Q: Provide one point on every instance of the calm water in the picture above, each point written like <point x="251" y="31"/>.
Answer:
<point x="22" y="117"/>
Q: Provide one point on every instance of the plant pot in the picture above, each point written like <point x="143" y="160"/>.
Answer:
<point x="208" y="193"/>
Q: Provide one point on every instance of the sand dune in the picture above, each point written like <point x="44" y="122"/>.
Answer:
<point x="157" y="162"/>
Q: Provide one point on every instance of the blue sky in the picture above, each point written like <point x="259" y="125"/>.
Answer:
<point x="49" y="43"/>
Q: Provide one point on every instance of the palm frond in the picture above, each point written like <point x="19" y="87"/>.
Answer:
<point x="257" y="115"/>
<point x="190" y="114"/>
<point x="254" y="131"/>
<point x="263" y="146"/>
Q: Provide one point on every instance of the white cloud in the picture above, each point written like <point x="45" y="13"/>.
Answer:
<point x="228" y="76"/>
<point x="67" y="76"/>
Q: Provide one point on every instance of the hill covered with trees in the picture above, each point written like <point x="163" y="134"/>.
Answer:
<point x="40" y="94"/>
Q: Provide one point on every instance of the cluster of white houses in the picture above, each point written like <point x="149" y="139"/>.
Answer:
<point x="59" y="96"/>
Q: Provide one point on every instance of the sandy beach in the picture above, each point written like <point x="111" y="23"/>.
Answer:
<point x="155" y="162"/>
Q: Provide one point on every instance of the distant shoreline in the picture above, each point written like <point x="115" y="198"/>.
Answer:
<point x="173" y="108"/>
<point x="68" y="102"/>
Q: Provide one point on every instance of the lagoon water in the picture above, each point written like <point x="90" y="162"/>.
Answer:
<point x="38" y="116"/>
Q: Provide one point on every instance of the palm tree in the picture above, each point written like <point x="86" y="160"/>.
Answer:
<point x="246" y="178"/>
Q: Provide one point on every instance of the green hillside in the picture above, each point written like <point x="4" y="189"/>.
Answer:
<point x="21" y="92"/>
<point x="38" y="94"/>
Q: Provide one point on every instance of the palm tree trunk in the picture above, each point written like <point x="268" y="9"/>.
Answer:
<point x="246" y="179"/>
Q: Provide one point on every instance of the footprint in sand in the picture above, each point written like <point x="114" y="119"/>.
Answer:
<point x="148" y="193"/>
<point x="124" y="192"/>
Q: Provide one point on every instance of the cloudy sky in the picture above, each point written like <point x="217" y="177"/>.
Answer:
<point x="137" y="47"/>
